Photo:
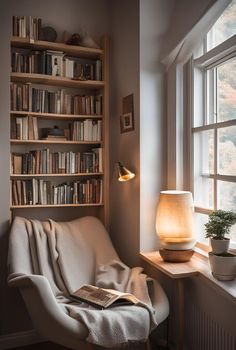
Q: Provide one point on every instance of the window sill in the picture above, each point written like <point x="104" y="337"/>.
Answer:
<point x="198" y="266"/>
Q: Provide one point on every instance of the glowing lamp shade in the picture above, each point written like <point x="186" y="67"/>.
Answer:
<point x="174" y="220"/>
<point x="124" y="174"/>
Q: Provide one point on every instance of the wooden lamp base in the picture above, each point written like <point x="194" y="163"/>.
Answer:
<point x="176" y="255"/>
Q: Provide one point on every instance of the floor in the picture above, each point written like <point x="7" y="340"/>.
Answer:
<point x="53" y="346"/>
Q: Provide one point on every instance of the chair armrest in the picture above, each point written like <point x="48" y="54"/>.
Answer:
<point x="48" y="317"/>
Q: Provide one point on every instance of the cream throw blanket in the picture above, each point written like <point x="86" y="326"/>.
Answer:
<point x="56" y="255"/>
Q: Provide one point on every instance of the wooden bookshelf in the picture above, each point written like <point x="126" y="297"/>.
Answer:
<point x="55" y="175"/>
<point x="50" y="80"/>
<point x="84" y="87"/>
<point x="44" y="142"/>
<point x="56" y="205"/>
<point x="55" y="116"/>
<point x="71" y="50"/>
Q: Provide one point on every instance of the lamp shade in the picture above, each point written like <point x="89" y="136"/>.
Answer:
<point x="174" y="220"/>
<point x="124" y="174"/>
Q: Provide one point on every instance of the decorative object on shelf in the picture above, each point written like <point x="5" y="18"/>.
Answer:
<point x="223" y="266"/>
<point x="74" y="39"/>
<point x="127" y="117"/>
<point x="218" y="226"/>
<point x="55" y="131"/>
<point x="174" y="225"/>
<point x="48" y="34"/>
<point x="88" y="41"/>
<point x="124" y="174"/>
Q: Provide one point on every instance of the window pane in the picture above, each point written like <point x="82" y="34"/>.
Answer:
<point x="199" y="230"/>
<point x="226" y="88"/>
<point x="210" y="95"/>
<point x="203" y="166"/>
<point x="224" y="28"/>
<point x="233" y="233"/>
<point x="203" y="192"/>
<point x="227" y="150"/>
<point x="204" y="152"/>
<point x="227" y="195"/>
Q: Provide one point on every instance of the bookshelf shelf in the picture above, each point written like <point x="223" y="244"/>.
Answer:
<point x="55" y="175"/>
<point x="71" y="50"/>
<point x="25" y="142"/>
<point x="55" y="95"/>
<point x="55" y="116"/>
<point x="56" y="205"/>
<point x="56" y="81"/>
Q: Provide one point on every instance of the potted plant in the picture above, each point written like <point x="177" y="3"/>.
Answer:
<point x="217" y="228"/>
<point x="223" y="263"/>
<point x="223" y="266"/>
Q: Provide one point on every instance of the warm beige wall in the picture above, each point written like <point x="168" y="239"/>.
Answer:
<point x="72" y="15"/>
<point x="124" y="80"/>
<point x="154" y="22"/>
<point x="137" y="30"/>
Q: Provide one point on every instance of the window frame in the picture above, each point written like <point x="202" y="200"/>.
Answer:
<point x="211" y="59"/>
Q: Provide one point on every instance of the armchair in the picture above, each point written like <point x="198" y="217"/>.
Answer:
<point x="85" y="242"/>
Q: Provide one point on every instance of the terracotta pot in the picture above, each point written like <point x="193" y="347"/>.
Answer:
<point x="223" y="267"/>
<point x="219" y="246"/>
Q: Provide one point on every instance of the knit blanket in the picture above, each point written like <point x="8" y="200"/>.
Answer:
<point x="56" y="254"/>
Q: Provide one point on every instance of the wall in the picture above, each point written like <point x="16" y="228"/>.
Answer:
<point x="124" y="80"/>
<point x="154" y="22"/>
<point x="137" y="32"/>
<point x="74" y="16"/>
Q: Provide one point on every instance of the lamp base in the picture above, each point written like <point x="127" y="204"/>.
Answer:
<point x="176" y="255"/>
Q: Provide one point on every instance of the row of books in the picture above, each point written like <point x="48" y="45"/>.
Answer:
<point x="46" y="162"/>
<point x="36" y="192"/>
<point x="27" y="26"/>
<point x="55" y="63"/>
<point x="87" y="130"/>
<point x="24" y="97"/>
<point x="26" y="128"/>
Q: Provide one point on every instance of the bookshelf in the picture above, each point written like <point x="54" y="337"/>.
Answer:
<point x="95" y="180"/>
<point x="55" y="81"/>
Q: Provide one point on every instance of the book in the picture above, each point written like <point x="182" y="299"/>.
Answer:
<point x="102" y="298"/>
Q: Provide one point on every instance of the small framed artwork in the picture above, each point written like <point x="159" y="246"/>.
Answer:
<point x="126" y="122"/>
<point x="127" y="117"/>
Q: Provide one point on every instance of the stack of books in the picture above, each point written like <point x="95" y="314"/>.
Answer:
<point x="24" y="97"/>
<point x="41" y="192"/>
<point x="47" y="162"/>
<point x="27" y="27"/>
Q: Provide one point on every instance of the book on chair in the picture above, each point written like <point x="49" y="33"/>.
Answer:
<point x="102" y="298"/>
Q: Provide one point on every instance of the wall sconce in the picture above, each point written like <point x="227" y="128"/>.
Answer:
<point x="174" y="225"/>
<point x="124" y="174"/>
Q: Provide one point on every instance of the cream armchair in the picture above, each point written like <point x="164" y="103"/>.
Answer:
<point x="38" y="291"/>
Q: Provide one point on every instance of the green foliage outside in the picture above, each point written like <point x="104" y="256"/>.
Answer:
<point x="219" y="224"/>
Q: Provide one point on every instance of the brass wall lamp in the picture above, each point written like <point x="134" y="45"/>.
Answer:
<point x="124" y="174"/>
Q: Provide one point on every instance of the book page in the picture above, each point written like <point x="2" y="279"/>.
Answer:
<point x="102" y="297"/>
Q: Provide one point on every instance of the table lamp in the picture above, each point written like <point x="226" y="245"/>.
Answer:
<point x="174" y="225"/>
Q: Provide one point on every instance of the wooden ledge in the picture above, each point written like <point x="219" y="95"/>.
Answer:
<point x="197" y="266"/>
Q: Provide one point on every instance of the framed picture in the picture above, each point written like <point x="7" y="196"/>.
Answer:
<point x="127" y="117"/>
<point x="126" y="122"/>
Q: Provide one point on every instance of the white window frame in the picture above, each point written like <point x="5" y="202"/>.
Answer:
<point x="213" y="58"/>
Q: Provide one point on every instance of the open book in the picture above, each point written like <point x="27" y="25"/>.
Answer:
<point x="102" y="298"/>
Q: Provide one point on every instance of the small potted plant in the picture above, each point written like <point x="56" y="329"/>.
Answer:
<point x="217" y="228"/>
<point x="223" y="266"/>
<point x="223" y="263"/>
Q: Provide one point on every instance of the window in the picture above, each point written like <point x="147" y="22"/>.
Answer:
<point x="214" y="121"/>
<point x="224" y="28"/>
